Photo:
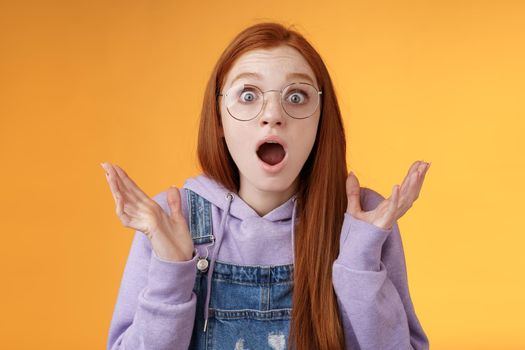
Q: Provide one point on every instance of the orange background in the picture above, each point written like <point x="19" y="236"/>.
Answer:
<point x="84" y="82"/>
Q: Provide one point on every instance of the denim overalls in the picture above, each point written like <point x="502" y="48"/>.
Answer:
<point x="249" y="307"/>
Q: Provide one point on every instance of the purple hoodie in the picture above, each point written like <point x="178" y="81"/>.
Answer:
<point x="156" y="306"/>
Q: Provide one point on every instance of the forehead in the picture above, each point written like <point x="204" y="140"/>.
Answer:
<point x="272" y="65"/>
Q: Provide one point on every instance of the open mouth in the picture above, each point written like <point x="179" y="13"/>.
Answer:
<point x="271" y="153"/>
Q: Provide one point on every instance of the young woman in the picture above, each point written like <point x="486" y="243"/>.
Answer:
<point x="275" y="245"/>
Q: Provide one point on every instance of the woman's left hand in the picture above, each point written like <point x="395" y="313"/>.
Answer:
<point x="389" y="210"/>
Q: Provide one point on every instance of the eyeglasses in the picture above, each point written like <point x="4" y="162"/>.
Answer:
<point x="244" y="101"/>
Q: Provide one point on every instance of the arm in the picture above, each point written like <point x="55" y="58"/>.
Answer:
<point x="370" y="281"/>
<point x="155" y="307"/>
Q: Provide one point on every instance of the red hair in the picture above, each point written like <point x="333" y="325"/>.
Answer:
<point x="321" y="200"/>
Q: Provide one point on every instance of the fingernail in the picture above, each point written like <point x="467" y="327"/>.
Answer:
<point x="102" y="165"/>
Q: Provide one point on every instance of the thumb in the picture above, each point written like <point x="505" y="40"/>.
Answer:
<point x="174" y="203"/>
<point x="353" y="194"/>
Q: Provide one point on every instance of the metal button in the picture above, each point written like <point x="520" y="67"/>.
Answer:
<point x="202" y="264"/>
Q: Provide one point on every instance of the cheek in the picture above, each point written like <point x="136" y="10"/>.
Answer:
<point x="306" y="138"/>
<point x="235" y="136"/>
<point x="310" y="131"/>
<point x="238" y="140"/>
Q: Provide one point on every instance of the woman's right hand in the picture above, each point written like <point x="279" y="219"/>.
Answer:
<point x="169" y="235"/>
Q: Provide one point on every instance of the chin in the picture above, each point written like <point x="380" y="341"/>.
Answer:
<point x="274" y="183"/>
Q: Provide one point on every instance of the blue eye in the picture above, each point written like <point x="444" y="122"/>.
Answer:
<point x="297" y="97"/>
<point x="249" y="95"/>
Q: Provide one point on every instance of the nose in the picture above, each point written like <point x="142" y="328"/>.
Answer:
<point x="272" y="111"/>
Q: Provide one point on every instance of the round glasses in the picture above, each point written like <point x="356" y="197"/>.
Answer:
<point x="244" y="101"/>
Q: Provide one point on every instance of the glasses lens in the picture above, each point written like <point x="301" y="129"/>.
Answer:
<point x="300" y="100"/>
<point x="244" y="101"/>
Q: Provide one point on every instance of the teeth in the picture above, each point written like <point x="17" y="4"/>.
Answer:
<point x="269" y="141"/>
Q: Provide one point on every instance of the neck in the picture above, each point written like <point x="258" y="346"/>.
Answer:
<point x="262" y="201"/>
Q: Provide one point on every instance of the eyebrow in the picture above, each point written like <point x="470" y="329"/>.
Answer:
<point x="258" y="76"/>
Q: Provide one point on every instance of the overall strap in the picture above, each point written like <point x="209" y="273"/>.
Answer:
<point x="199" y="212"/>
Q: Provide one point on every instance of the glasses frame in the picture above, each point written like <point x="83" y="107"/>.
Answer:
<point x="319" y="92"/>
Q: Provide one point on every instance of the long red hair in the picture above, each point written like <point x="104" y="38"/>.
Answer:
<point x="321" y="200"/>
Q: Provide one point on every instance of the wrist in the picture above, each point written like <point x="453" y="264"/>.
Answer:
<point x="173" y="256"/>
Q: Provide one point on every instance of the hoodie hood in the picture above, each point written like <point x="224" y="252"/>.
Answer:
<point x="247" y="225"/>
<point x="216" y="193"/>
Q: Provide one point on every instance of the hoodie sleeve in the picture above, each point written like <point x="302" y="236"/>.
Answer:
<point x="370" y="282"/>
<point x="155" y="307"/>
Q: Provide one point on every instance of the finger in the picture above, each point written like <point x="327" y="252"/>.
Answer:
<point x="118" y="195"/>
<point x="129" y="184"/>
<point x="425" y="172"/>
<point x="353" y="194"/>
<point x="116" y="188"/>
<point x="119" y="209"/>
<point x="109" y="182"/>
<point x="407" y="196"/>
<point x="414" y="187"/>
<point x="123" y="191"/>
<point x="388" y="209"/>
<point x="122" y="194"/>
<point x="404" y="184"/>
<point x="421" y="177"/>
<point x="112" y="181"/>
<point x="174" y="202"/>
<point x="394" y="200"/>
<point x="421" y="169"/>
